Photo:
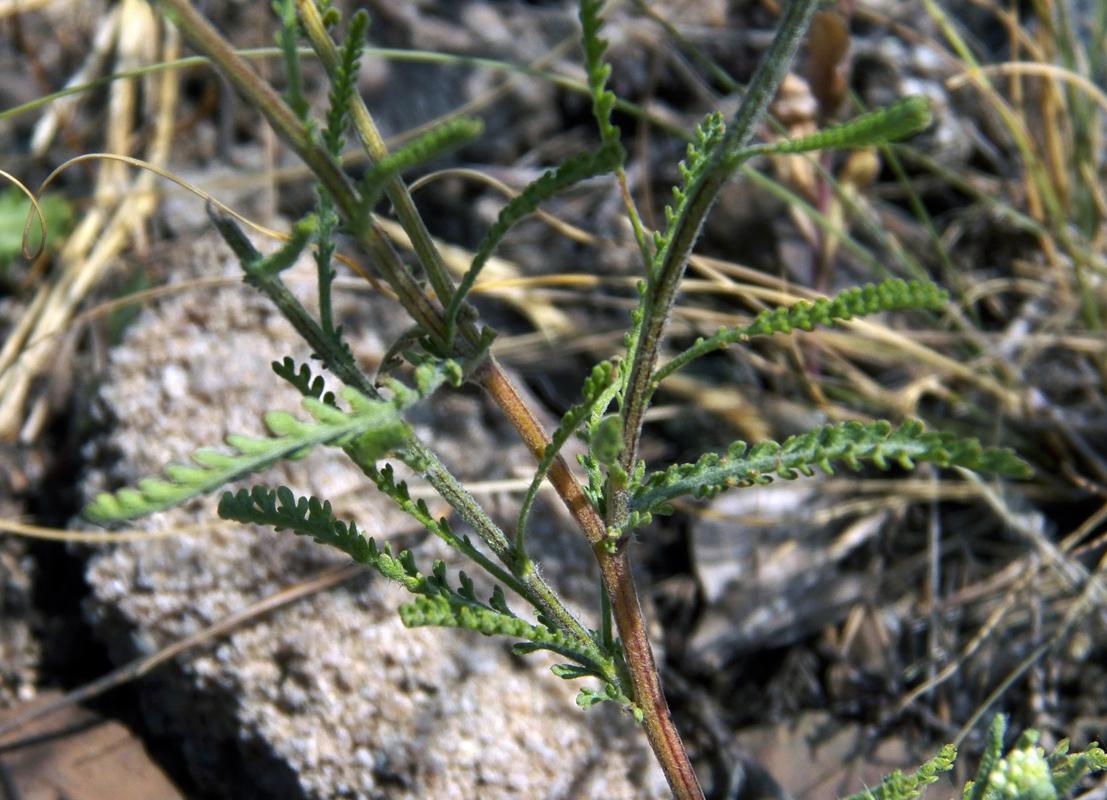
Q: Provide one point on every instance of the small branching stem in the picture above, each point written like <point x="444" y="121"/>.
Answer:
<point x="210" y="43"/>
<point x="617" y="582"/>
<point x="664" y="283"/>
<point x="369" y="136"/>
<point x="648" y="695"/>
<point x="662" y="288"/>
<point x="528" y="583"/>
<point x="614" y="563"/>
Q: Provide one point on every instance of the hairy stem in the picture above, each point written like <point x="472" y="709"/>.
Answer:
<point x="661" y="732"/>
<point x="209" y="42"/>
<point x="665" y="281"/>
<point x="618" y="583"/>
<point x="395" y="189"/>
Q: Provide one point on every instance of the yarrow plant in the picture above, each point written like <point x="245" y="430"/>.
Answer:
<point x="449" y="346"/>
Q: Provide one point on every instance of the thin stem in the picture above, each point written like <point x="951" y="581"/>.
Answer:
<point x="618" y="584"/>
<point x="490" y="376"/>
<point x="657" y="311"/>
<point x="665" y="281"/>
<point x="208" y="41"/>
<point x="606" y="635"/>
<point x="640" y="236"/>
<point x="410" y="219"/>
<point x="648" y="695"/>
<point x="324" y="271"/>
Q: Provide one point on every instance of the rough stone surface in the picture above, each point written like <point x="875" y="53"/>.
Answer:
<point x="330" y="697"/>
<point x="19" y="650"/>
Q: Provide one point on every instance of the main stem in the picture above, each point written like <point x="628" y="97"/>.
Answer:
<point x="618" y="581"/>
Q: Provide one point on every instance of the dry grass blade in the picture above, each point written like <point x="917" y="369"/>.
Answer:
<point x="100" y="537"/>
<point x="107" y="227"/>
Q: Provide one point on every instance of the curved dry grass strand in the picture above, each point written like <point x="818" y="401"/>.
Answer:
<point x="163" y="173"/>
<point x="29" y="531"/>
<point x="36" y="210"/>
<point x="100" y="236"/>
<point x="1051" y="71"/>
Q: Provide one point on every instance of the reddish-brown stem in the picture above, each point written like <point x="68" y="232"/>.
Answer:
<point x="492" y="379"/>
<point x="648" y="694"/>
<point x="617" y="580"/>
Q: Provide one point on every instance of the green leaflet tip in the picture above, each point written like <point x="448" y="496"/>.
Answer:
<point x="901" y="119"/>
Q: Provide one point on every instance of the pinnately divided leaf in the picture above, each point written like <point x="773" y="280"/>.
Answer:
<point x="436" y="602"/>
<point x="370" y="424"/>
<point x="573" y="171"/>
<point x="603" y="101"/>
<point x="344" y="84"/>
<point x="709" y="134"/>
<point x="308" y="516"/>
<point x="898" y="121"/>
<point x="848" y="442"/>
<point x="459" y="612"/>
<point x="439" y="140"/>
<point x="889" y="295"/>
<point x="303" y="380"/>
<point x="898" y="786"/>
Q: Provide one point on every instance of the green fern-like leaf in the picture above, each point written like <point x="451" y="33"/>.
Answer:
<point x="331" y="15"/>
<point x="303" y="380"/>
<point x="898" y="786"/>
<point x="371" y="426"/>
<point x="890" y="295"/>
<point x="287" y="37"/>
<point x="385" y="480"/>
<point x="849" y="442"/>
<point x="594" y="490"/>
<point x="1069" y="769"/>
<point x="709" y="134"/>
<point x="309" y="516"/>
<point x="594" y="389"/>
<point x="441" y="605"/>
<point x="254" y="264"/>
<point x="451" y="610"/>
<point x="587" y="698"/>
<point x="901" y="119"/>
<point x="573" y="171"/>
<point x="993" y="751"/>
<point x="603" y="100"/>
<point x="432" y="373"/>
<point x="1026" y="773"/>
<point x="438" y="603"/>
<point x="324" y="253"/>
<point x="607" y="441"/>
<point x="344" y="82"/>
<point x="441" y="139"/>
